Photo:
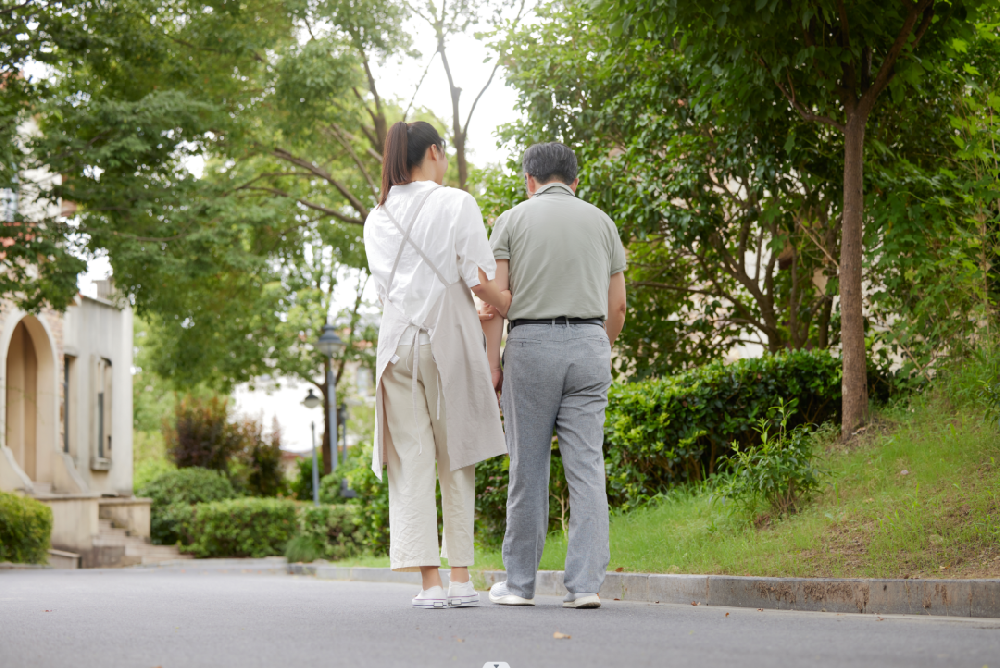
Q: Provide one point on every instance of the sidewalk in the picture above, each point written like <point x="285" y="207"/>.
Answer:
<point x="947" y="598"/>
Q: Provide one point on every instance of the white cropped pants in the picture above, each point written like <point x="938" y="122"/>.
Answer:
<point x="413" y="536"/>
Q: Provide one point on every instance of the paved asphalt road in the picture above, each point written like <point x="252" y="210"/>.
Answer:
<point x="148" y="618"/>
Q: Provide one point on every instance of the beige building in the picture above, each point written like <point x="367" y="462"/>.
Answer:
<point x="66" y="414"/>
<point x="66" y="436"/>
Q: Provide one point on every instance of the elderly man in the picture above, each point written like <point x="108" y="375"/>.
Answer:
<point x="563" y="261"/>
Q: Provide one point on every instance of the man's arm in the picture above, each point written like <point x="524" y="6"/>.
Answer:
<point x="494" y="328"/>
<point x="616" y="304"/>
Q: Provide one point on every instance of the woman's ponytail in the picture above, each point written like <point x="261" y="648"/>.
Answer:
<point x="405" y="147"/>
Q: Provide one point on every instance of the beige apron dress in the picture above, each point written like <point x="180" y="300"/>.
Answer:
<point x="457" y="345"/>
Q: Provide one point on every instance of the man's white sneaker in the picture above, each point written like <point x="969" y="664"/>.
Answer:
<point x="500" y="595"/>
<point x="461" y="594"/>
<point x="582" y="601"/>
<point x="435" y="597"/>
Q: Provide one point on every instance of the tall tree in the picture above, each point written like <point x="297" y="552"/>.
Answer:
<point x="830" y="62"/>
<point x="455" y="17"/>
<point x="38" y="266"/>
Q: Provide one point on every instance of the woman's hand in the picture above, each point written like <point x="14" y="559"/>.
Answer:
<point x="497" y="375"/>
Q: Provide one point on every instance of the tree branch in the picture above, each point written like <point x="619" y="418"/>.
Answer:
<point x="790" y="96"/>
<point x="886" y="71"/>
<point x="420" y="83"/>
<point x="339" y="135"/>
<point x="850" y="76"/>
<point x="306" y="203"/>
<point x="282" y="154"/>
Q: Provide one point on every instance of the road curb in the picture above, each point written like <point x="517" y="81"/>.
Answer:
<point x="947" y="598"/>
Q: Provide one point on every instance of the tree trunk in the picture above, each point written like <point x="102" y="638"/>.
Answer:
<point x="327" y="458"/>
<point x="463" y="166"/>
<point x="852" y="330"/>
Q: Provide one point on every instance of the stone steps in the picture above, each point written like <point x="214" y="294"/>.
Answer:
<point x="136" y="549"/>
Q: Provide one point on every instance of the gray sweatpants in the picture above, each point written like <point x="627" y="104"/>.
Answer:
<point x="556" y="375"/>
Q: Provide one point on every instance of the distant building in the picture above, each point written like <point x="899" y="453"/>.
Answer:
<point x="66" y="400"/>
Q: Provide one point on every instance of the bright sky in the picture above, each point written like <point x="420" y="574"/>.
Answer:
<point x="467" y="56"/>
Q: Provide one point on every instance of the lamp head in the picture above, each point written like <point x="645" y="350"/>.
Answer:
<point x="329" y="343"/>
<point x="311" y="400"/>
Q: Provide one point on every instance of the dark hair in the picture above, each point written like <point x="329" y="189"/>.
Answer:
<point x="548" y="161"/>
<point x="405" y="147"/>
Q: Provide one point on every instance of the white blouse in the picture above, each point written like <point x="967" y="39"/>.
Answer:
<point x="449" y="230"/>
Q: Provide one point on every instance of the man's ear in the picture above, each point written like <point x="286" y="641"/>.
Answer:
<point x="575" y="183"/>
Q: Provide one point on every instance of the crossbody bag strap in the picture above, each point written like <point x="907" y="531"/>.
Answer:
<point x="406" y="239"/>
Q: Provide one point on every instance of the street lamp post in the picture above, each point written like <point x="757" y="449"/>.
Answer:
<point x="345" y="490"/>
<point x="330" y="344"/>
<point x="312" y="401"/>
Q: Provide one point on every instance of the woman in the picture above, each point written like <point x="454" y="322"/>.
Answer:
<point x="434" y="399"/>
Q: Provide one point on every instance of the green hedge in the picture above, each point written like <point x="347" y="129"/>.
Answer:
<point x="372" y="500"/>
<point x="330" y="532"/>
<point x="174" y="492"/>
<point x="248" y="527"/>
<point x="662" y="432"/>
<point x="25" y="530"/>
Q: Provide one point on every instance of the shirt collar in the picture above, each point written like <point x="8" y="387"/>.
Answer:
<point x="556" y="188"/>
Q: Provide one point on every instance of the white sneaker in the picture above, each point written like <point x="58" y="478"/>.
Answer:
<point x="462" y="594"/>
<point x="581" y="601"/>
<point x="431" y="598"/>
<point x="500" y="595"/>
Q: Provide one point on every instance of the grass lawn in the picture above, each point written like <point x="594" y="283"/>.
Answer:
<point x="918" y="495"/>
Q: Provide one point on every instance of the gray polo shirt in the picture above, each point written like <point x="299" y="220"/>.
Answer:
<point x="562" y="253"/>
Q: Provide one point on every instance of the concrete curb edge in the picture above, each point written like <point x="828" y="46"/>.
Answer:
<point x="948" y="598"/>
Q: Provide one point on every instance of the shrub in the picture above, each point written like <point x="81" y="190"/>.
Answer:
<point x="492" y="479"/>
<point x="326" y="532"/>
<point x="247" y="527"/>
<point x="173" y="494"/>
<point x="259" y="458"/>
<point x="302" y="486"/>
<point x="201" y="435"/>
<point x="373" y="503"/>
<point x="371" y="500"/>
<point x="674" y="430"/>
<point x="779" y="472"/>
<point x="988" y="359"/>
<point x="25" y="530"/>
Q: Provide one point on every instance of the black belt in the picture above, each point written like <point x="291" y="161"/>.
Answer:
<point x="560" y="320"/>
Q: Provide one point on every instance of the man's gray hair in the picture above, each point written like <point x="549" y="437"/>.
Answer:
<point x="549" y="161"/>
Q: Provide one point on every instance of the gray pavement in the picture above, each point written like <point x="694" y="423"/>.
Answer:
<point x="174" y="619"/>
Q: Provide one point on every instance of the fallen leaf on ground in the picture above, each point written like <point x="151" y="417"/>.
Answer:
<point x="760" y="609"/>
<point x="727" y="614"/>
<point x="694" y="602"/>
<point x="561" y="636"/>
<point x="619" y="569"/>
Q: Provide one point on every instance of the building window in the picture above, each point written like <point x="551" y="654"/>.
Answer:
<point x="104" y="408"/>
<point x="68" y="375"/>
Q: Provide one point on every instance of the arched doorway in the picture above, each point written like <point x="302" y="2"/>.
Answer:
<point x="21" y="419"/>
<point x="30" y="410"/>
